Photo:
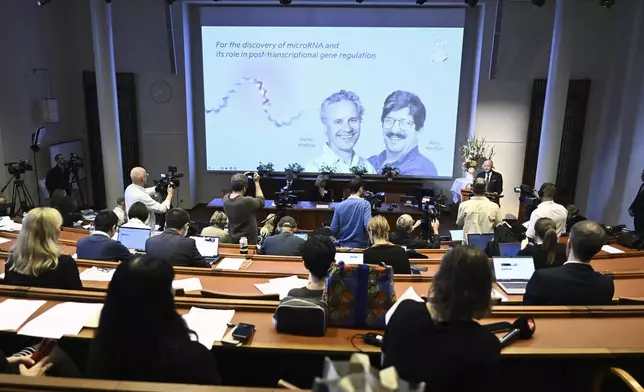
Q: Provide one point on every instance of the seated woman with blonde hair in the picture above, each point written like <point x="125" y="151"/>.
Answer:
<point x="383" y="251"/>
<point x="218" y="222"/>
<point x="35" y="259"/>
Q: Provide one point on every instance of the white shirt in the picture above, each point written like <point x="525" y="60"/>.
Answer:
<point x="548" y="209"/>
<point x="136" y="222"/>
<point x="328" y="157"/>
<point x="120" y="214"/>
<point x="478" y="215"/>
<point x="574" y="262"/>
<point x="135" y="193"/>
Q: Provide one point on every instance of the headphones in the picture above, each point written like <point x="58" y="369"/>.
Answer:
<point x="543" y="186"/>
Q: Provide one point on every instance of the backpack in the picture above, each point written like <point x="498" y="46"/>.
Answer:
<point x="631" y="240"/>
<point x="359" y="295"/>
<point x="301" y="316"/>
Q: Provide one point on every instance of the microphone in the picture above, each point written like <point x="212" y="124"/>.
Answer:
<point x="522" y="328"/>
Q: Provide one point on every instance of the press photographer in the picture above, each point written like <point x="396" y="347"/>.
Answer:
<point x="136" y="192"/>
<point x="168" y="180"/>
<point x="58" y="176"/>
<point x="403" y="236"/>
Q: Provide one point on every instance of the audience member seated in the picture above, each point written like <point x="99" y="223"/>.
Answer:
<point x="139" y="315"/>
<point x="478" y="215"/>
<point x="218" y="222"/>
<point x="576" y="282"/>
<point x="318" y="254"/>
<point x="35" y="260"/>
<point x="548" y="209"/>
<point x="405" y="225"/>
<point x="268" y="227"/>
<point x="17" y="364"/>
<point x="383" y="251"/>
<point x="286" y="243"/>
<point x="100" y="245"/>
<point x="240" y="209"/>
<point x="319" y="193"/>
<point x="574" y="216"/>
<point x="439" y="342"/>
<point x="137" y="216"/>
<point x="172" y="245"/>
<point x="325" y="230"/>
<point x="547" y="251"/>
<point x="66" y="207"/>
<point x="350" y="218"/>
<point x="120" y="212"/>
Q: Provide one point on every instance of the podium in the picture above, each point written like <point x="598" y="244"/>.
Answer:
<point x="466" y="194"/>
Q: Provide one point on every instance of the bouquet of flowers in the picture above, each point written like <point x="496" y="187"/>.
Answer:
<point x="474" y="152"/>
<point x="294" y="168"/>
<point x="390" y="172"/>
<point x="264" y="169"/>
<point x="358" y="170"/>
<point x="327" y="170"/>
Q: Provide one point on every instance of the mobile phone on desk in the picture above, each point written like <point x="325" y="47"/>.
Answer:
<point x="45" y="348"/>
<point x="243" y="332"/>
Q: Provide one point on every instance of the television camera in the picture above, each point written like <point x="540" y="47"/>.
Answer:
<point x="285" y="198"/>
<point x="74" y="163"/>
<point x="431" y="209"/>
<point x="169" y="179"/>
<point x="20" y="196"/>
<point x="528" y="198"/>
<point x="18" y="167"/>
<point x="375" y="199"/>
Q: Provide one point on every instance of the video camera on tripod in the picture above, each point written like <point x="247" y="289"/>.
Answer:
<point x="74" y="163"/>
<point x="18" y="167"/>
<point x="20" y="196"/>
<point x="285" y="198"/>
<point x="375" y="199"/>
<point x="169" y="179"/>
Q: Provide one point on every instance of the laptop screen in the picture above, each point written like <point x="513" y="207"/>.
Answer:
<point x="513" y="268"/>
<point x="479" y="240"/>
<point x="207" y="246"/>
<point x="134" y="237"/>
<point x="303" y="236"/>
<point x="457" y="235"/>
<point x="509" y="249"/>
<point x="349" y="258"/>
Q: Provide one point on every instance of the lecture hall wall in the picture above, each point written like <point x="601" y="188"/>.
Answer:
<point x="58" y="37"/>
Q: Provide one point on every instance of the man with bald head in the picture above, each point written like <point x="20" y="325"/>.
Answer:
<point x="136" y="192"/>
<point x="405" y="226"/>
<point x="493" y="180"/>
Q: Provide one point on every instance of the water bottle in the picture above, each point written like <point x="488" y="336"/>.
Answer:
<point x="243" y="245"/>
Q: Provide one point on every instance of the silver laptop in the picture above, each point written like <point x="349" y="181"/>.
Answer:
<point x="457" y="235"/>
<point x="513" y="273"/>
<point x="134" y="237"/>
<point x="349" y="258"/>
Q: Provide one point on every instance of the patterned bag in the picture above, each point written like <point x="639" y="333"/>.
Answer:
<point x="359" y="295"/>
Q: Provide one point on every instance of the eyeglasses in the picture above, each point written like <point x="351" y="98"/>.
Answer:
<point x="405" y="125"/>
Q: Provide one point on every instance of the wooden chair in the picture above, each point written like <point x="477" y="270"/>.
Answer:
<point x="621" y="374"/>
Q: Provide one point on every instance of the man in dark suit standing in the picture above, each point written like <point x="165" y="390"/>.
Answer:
<point x="58" y="176"/>
<point x="636" y="210"/>
<point x="493" y="180"/>
<point x="576" y="282"/>
<point x="172" y="245"/>
<point x="100" y="245"/>
<point x="286" y="243"/>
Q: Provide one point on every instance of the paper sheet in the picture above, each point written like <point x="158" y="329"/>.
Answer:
<point x="230" y="263"/>
<point x="206" y="248"/>
<point x="98" y="274"/>
<point x="74" y="256"/>
<point x="281" y="286"/>
<point x="93" y="320"/>
<point x="497" y="294"/>
<point x="611" y="249"/>
<point x="67" y="318"/>
<point x="3" y="240"/>
<point x="2" y="275"/>
<point x="410" y="293"/>
<point x="6" y="224"/>
<point x="190" y="284"/>
<point x="14" y="312"/>
<point x="209" y="324"/>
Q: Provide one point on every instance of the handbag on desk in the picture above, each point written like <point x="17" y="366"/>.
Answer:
<point x="301" y="316"/>
<point x="359" y="295"/>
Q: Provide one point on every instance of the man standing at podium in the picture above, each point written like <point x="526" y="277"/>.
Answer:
<point x="493" y="180"/>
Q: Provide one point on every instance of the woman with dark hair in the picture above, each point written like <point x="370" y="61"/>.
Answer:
<point x="438" y="342"/>
<point x="141" y="337"/>
<point x="547" y="252"/>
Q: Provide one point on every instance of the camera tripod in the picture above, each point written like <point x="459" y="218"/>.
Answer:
<point x="20" y="194"/>
<point x="74" y="181"/>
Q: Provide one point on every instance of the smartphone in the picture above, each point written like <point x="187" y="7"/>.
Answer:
<point x="243" y="332"/>
<point x="45" y="348"/>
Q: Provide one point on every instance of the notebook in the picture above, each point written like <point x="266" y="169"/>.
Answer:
<point x="509" y="249"/>
<point x="349" y="258"/>
<point x="513" y="273"/>
<point x="134" y="237"/>
<point x="479" y="240"/>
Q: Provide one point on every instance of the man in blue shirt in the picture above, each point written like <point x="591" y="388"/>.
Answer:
<point x="403" y="118"/>
<point x="100" y="245"/>
<point x="350" y="218"/>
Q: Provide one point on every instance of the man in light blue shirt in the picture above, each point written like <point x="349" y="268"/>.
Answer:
<point x="350" y="218"/>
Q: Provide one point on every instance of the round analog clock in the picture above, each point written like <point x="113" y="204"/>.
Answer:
<point x="160" y="91"/>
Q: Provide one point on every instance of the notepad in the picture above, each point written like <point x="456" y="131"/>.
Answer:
<point x="281" y="286"/>
<point x="190" y="284"/>
<point x="4" y="240"/>
<point x="210" y="325"/>
<point x="611" y="249"/>
<point x="98" y="274"/>
<point x="410" y="293"/>
<point x="230" y="263"/>
<point x="14" y="312"/>
<point x="67" y="318"/>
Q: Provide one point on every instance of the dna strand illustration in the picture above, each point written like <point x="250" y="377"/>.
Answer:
<point x="266" y="102"/>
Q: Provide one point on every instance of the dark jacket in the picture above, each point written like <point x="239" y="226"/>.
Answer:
<point x="403" y="238"/>
<point x="100" y="247"/>
<point x="572" y="220"/>
<point x="176" y="249"/>
<point x="283" y="244"/>
<point x="539" y="256"/>
<point x="315" y="196"/>
<point x="392" y="255"/>
<point x="496" y="182"/>
<point x="65" y="276"/>
<point x="57" y="178"/>
<point x="568" y="285"/>
<point x="638" y="209"/>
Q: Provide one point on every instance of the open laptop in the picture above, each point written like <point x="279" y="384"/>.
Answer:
<point x="134" y="237"/>
<point x="509" y="249"/>
<point x="349" y="258"/>
<point x="479" y="240"/>
<point x="208" y="247"/>
<point x="513" y="273"/>
<point x="456" y="235"/>
<point x="303" y="236"/>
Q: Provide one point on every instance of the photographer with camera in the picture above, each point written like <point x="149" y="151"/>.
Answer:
<point x="58" y="176"/>
<point x="136" y="192"/>
<point x="240" y="209"/>
<point x="405" y="226"/>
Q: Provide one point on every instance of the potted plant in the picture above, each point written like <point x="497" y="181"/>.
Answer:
<point x="327" y="170"/>
<point x="294" y="168"/>
<point x="474" y="152"/>
<point x="358" y="170"/>
<point x="265" y="169"/>
<point x="390" y="172"/>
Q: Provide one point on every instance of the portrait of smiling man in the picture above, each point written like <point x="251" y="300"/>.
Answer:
<point x="341" y="113"/>
<point x="403" y="118"/>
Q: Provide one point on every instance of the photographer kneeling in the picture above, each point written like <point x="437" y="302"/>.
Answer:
<point x="405" y="225"/>
<point x="135" y="192"/>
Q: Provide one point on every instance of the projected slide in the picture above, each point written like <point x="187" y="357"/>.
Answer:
<point x="332" y="97"/>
